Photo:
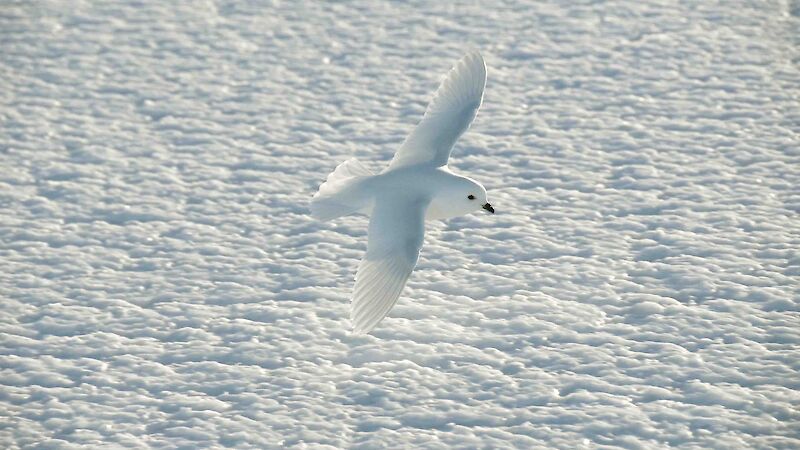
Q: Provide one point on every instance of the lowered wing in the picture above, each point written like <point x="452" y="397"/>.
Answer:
<point x="396" y="231"/>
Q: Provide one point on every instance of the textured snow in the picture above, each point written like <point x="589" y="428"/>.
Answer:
<point x="162" y="284"/>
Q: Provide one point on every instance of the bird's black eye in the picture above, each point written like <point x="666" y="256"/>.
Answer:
<point x="471" y="197"/>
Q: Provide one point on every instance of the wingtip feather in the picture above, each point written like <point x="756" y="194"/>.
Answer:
<point x="464" y="82"/>
<point x="378" y="287"/>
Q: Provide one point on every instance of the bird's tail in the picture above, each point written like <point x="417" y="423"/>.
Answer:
<point x="339" y="194"/>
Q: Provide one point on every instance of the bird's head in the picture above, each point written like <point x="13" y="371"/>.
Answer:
<point x="462" y="196"/>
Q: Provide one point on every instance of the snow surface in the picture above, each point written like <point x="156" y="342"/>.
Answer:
<point x="162" y="284"/>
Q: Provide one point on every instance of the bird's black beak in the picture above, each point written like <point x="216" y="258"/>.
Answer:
<point x="489" y="208"/>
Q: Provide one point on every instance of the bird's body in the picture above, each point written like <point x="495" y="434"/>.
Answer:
<point x="436" y="185"/>
<point x="417" y="185"/>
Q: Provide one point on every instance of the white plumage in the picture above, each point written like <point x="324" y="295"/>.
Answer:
<point x="417" y="185"/>
<point x="452" y="109"/>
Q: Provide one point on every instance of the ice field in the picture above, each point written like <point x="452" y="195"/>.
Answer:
<point x="162" y="284"/>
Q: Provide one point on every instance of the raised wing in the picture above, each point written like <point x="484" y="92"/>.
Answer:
<point x="396" y="231"/>
<point x="449" y="114"/>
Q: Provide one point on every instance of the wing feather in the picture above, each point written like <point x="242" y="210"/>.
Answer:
<point x="396" y="231"/>
<point x="449" y="114"/>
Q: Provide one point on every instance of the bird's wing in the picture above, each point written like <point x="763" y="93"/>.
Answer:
<point x="396" y="231"/>
<point x="449" y="114"/>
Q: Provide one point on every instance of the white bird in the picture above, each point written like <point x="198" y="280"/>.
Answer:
<point x="417" y="185"/>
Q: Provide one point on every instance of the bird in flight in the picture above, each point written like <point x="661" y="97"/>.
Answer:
<point x="416" y="186"/>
